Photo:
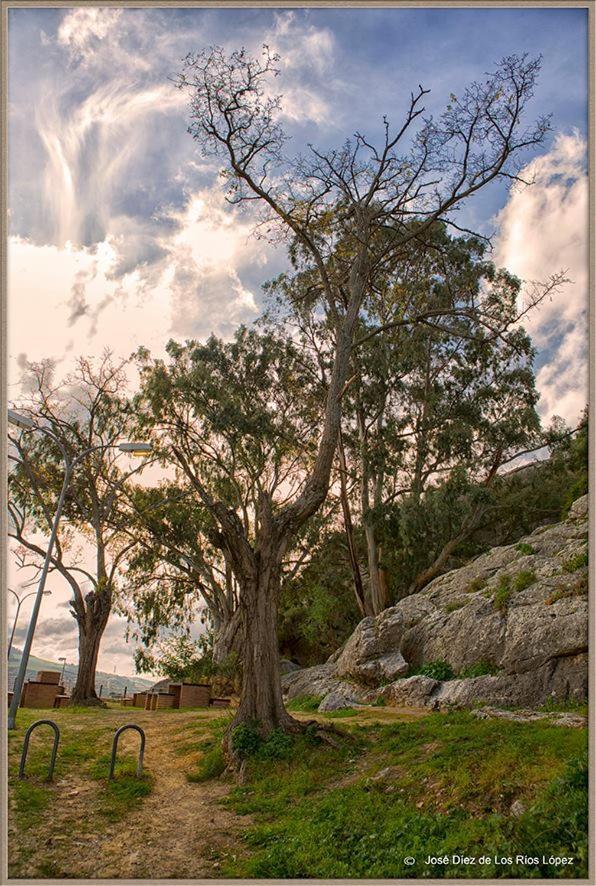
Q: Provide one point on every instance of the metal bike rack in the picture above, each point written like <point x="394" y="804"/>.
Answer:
<point x="115" y="748"/>
<point x="26" y="747"/>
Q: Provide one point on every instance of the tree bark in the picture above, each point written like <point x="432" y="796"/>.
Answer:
<point x="261" y="700"/>
<point x="92" y="622"/>
<point x="349" y="530"/>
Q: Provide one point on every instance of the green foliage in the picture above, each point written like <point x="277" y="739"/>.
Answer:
<point x="455" y="605"/>
<point x="502" y="594"/>
<point x="438" y="670"/>
<point x="476" y="585"/>
<point x="577" y="562"/>
<point x="523" y="580"/>
<point x="524" y="548"/>
<point x="480" y="669"/>
<point x="317" y="609"/>
<point x="248" y="742"/>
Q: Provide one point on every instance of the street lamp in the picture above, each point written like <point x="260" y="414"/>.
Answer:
<point x="27" y="424"/>
<point x="20" y="601"/>
<point x="63" y="660"/>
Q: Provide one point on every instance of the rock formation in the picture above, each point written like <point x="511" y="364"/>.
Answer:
<point x="512" y="625"/>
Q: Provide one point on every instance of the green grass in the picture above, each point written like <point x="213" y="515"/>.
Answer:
<point x="340" y="714"/>
<point x="523" y="579"/>
<point x="480" y="669"/>
<point x="453" y="781"/>
<point x="306" y="703"/>
<point x="455" y="605"/>
<point x="524" y="548"/>
<point x="438" y="670"/>
<point x="577" y="562"/>
<point x="503" y="593"/>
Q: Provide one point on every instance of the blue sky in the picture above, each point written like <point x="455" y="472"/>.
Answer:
<point x="119" y="233"/>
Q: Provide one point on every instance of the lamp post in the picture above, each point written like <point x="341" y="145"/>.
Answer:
<point x="20" y="601"/>
<point x="27" y="424"/>
<point x="63" y="660"/>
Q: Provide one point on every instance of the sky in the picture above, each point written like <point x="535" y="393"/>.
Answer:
<point x="119" y="233"/>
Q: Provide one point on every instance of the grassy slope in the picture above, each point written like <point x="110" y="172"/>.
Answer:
<point x="394" y="786"/>
<point x="451" y="783"/>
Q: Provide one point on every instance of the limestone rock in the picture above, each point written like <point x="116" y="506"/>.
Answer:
<point x="336" y="701"/>
<point x="521" y="609"/>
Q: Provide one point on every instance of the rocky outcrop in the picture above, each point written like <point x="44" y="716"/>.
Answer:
<point x="519" y="612"/>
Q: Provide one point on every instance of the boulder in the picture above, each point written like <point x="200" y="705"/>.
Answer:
<point x="336" y="701"/>
<point x="319" y="681"/>
<point x="287" y="667"/>
<point x="521" y="610"/>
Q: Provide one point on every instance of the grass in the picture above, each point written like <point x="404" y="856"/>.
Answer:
<point x="524" y="548"/>
<point x="455" y="605"/>
<point x="503" y="593"/>
<point x="438" y="670"/>
<point x="577" y="562"/>
<point x="453" y="780"/>
<point x="306" y="703"/>
<point x="478" y="584"/>
<point x="84" y="750"/>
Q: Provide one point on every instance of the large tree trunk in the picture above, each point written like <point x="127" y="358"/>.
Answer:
<point x="261" y="701"/>
<point x="227" y="637"/>
<point x="92" y="623"/>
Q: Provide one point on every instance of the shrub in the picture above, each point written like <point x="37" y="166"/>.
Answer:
<point x="577" y="562"/>
<point x="455" y="605"/>
<point x="246" y="740"/>
<point x="476" y="585"/>
<point x="503" y="593"/>
<point x="277" y="746"/>
<point x="524" y="579"/>
<point x="438" y="670"/>
<point x="524" y="548"/>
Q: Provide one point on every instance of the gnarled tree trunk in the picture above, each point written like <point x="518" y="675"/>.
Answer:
<point x="92" y="620"/>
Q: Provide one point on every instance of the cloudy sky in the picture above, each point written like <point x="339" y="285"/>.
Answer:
<point x="119" y="235"/>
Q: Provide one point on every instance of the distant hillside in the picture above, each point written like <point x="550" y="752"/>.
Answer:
<point x="112" y="684"/>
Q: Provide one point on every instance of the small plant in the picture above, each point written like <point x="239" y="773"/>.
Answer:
<point x="379" y="702"/>
<point x="480" y="669"/>
<point x="246" y="740"/>
<point x="503" y="593"/>
<point x="524" y="548"/>
<point x="476" y="585"/>
<point x="438" y="670"/>
<point x="578" y="588"/>
<point x="524" y="579"/>
<point x="455" y="605"/>
<point x="277" y="746"/>
<point x="577" y="562"/>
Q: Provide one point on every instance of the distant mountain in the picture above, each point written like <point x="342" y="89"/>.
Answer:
<point x="111" y="684"/>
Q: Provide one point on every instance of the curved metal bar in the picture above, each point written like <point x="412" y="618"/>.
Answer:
<point x="115" y="748"/>
<point x="26" y="747"/>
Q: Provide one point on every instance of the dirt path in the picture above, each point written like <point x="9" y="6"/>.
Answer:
<point x="179" y="831"/>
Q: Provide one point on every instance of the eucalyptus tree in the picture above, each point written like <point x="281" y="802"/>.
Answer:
<point x="421" y="169"/>
<point x="87" y="410"/>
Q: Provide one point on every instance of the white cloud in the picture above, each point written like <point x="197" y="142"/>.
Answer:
<point x="544" y="229"/>
<point x="83" y="27"/>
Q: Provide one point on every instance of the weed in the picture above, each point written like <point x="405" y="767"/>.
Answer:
<point x="574" y="563"/>
<point x="524" y="548"/>
<point x="455" y="605"/>
<point x="503" y="593"/>
<point x="476" y="585"/>
<point x="438" y="670"/>
<point x="577" y="589"/>
<point x="523" y="579"/>
<point x="480" y="669"/>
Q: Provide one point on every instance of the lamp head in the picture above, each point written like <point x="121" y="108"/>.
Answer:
<point x="22" y="421"/>
<point x="136" y="448"/>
